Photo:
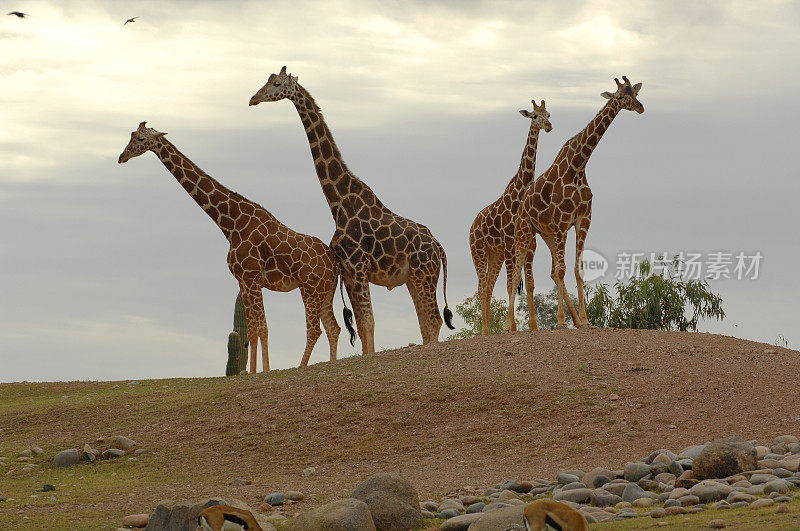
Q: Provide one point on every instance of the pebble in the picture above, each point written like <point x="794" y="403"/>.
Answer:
<point x="112" y="453"/>
<point x="239" y="482"/>
<point x="47" y="487"/>
<point x="658" y="512"/>
<point x="309" y="471"/>
<point x="675" y="510"/>
<point x="476" y="507"/>
<point x="67" y="458"/>
<point x="716" y="523"/>
<point x="452" y="503"/>
<point x="294" y="495"/>
<point x="781" y="509"/>
<point x="448" y="513"/>
<point x="634" y="471"/>
<point x="565" y="479"/>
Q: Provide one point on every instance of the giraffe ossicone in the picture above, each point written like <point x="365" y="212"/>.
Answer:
<point x="491" y="235"/>
<point x="372" y="243"/>
<point x="560" y="199"/>
<point x="264" y="253"/>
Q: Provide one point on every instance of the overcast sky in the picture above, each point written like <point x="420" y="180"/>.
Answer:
<point x="111" y="271"/>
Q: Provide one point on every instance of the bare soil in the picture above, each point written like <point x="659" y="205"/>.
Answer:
<point x="467" y="412"/>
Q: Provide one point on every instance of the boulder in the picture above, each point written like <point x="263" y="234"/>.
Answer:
<point x="392" y="500"/>
<point x="182" y="516"/>
<point x="112" y="453"/>
<point x="633" y="492"/>
<point x="67" y="457"/>
<point x="589" y="478"/>
<point x="636" y="470"/>
<point x="120" y="442"/>
<point x="460" y="523"/>
<point x="136" y="520"/>
<point x="342" y="515"/>
<point x="723" y="458"/>
<point x="505" y="518"/>
<point x="574" y="495"/>
<point x="710" y="491"/>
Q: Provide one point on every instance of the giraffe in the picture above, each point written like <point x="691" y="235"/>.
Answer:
<point x="561" y="199"/>
<point x="372" y="243"/>
<point x="264" y="253"/>
<point x="491" y="237"/>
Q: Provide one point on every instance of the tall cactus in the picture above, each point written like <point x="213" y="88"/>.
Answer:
<point x="237" y="340"/>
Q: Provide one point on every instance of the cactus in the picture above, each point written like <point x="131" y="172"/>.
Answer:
<point x="237" y="340"/>
<point x="234" y="354"/>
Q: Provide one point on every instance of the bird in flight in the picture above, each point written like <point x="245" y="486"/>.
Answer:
<point x="132" y="19"/>
<point x="19" y="14"/>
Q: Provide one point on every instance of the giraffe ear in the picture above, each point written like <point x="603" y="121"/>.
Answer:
<point x="637" y="87"/>
<point x="158" y="134"/>
<point x="607" y="95"/>
<point x="525" y="113"/>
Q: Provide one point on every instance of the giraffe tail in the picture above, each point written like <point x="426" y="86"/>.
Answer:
<point x="347" y="315"/>
<point x="448" y="315"/>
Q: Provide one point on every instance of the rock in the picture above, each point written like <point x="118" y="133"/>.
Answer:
<point x="723" y="458"/>
<point x="511" y="484"/>
<point x="574" y="485"/>
<point x="791" y="463"/>
<point x="38" y="450"/>
<point x="761" y="452"/>
<point x="691" y="452"/>
<point x="524" y="487"/>
<point x="393" y="502"/>
<point x="658" y="468"/>
<point x="633" y="492"/>
<point x="460" y="523"/>
<point x="781" y="509"/>
<point x="563" y="478"/>
<point x="496" y="505"/>
<point x="476" y="507"/>
<point x="665" y="478"/>
<point x="672" y="502"/>
<point x="762" y="502"/>
<point x="452" y="503"/>
<point x="642" y="502"/>
<point x="294" y="495"/>
<point x="67" y="458"/>
<point x="112" y="453"/>
<point x="658" y="512"/>
<point x="342" y="515"/>
<point x="275" y="499"/>
<point x="120" y="442"/>
<point x="710" y="491"/>
<point x="615" y="488"/>
<point x="675" y="468"/>
<point x="785" y="440"/>
<point x="309" y="471"/>
<point x="138" y="452"/>
<point x="89" y="454"/>
<point x="648" y="484"/>
<point x="136" y="520"/>
<point x="675" y="509"/>
<point x="780" y="486"/>
<point x="589" y="479"/>
<point x="688" y="500"/>
<point x="734" y="497"/>
<point x="717" y="523"/>
<point x="448" y="513"/>
<point x="504" y="518"/>
<point x="425" y="514"/>
<point x="431" y="506"/>
<point x="469" y="500"/>
<point x="758" y="479"/>
<point x="182" y="516"/>
<point x="574" y="495"/>
<point x="604" y="498"/>
<point x="26" y="453"/>
<point x="47" y="487"/>
<point x="634" y="471"/>
<point x="782" y="473"/>
<point x="240" y="482"/>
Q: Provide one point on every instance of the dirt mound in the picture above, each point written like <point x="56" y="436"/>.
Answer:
<point x="467" y="412"/>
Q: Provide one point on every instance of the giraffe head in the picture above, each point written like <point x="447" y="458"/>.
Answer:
<point x="626" y="94"/>
<point x="278" y="87"/>
<point x="540" y="118"/>
<point x="142" y="140"/>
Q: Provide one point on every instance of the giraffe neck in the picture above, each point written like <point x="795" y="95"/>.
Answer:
<point x="584" y="142"/>
<point x="527" y="166"/>
<point x="340" y="186"/>
<point x="206" y="191"/>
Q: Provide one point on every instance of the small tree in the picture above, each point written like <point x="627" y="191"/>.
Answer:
<point x="546" y="306"/>
<point x="470" y="313"/>
<point x="654" y="301"/>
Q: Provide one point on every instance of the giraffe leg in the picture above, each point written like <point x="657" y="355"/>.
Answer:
<point x="511" y="317"/>
<point x="557" y="271"/>
<point x="256" y="322"/>
<point x="493" y="271"/>
<point x="328" y="318"/>
<point x="524" y="238"/>
<point x="313" y="331"/>
<point x="423" y="293"/>
<point x="581" y="229"/>
<point x="357" y="287"/>
<point x="532" y="325"/>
